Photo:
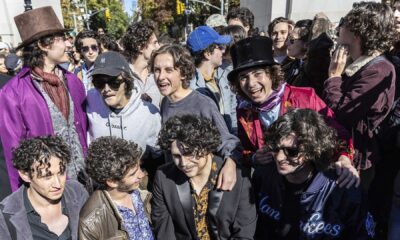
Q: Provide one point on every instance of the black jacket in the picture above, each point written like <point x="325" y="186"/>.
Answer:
<point x="327" y="211"/>
<point x="231" y="215"/>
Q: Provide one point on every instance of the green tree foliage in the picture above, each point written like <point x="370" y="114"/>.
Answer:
<point x="118" y="22"/>
<point x="164" y="12"/>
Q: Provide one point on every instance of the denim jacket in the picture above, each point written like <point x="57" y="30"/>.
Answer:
<point x="228" y="97"/>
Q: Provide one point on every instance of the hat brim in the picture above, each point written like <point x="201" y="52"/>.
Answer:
<point x="223" y="39"/>
<point x="233" y="74"/>
<point x="112" y="72"/>
<point x="40" y="35"/>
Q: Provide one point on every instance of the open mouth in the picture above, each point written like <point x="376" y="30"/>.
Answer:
<point x="163" y="86"/>
<point x="255" y="91"/>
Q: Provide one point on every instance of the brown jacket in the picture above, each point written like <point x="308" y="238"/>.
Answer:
<point x="100" y="219"/>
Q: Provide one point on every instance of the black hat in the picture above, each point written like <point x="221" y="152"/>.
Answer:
<point x="111" y="64"/>
<point x="251" y="52"/>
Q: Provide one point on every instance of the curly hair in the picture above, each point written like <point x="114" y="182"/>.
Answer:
<point x="85" y="34"/>
<point x="182" y="61"/>
<point x="136" y="37"/>
<point x="244" y="14"/>
<point x="198" y="134"/>
<point x="279" y="20"/>
<point x="34" y="56"/>
<point x="317" y="141"/>
<point x="374" y="23"/>
<point x="274" y="72"/>
<point x="40" y="150"/>
<point x="110" y="158"/>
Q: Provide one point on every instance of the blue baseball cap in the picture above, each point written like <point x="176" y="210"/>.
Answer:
<point x="204" y="36"/>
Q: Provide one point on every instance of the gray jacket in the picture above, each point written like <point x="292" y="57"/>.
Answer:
<point x="14" y="221"/>
<point x="228" y="97"/>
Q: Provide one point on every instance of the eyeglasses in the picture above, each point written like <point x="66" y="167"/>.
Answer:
<point x="290" y="152"/>
<point x="113" y="83"/>
<point x="94" y="48"/>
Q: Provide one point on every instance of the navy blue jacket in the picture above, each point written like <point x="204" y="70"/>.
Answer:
<point x="327" y="211"/>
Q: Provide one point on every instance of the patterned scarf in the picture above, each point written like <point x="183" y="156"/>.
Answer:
<point x="272" y="101"/>
<point x="55" y="88"/>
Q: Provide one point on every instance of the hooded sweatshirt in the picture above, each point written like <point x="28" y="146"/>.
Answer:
<point x="139" y="121"/>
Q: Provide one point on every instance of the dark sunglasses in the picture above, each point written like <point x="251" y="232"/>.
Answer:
<point x="113" y="83"/>
<point x="94" y="48"/>
<point x="290" y="152"/>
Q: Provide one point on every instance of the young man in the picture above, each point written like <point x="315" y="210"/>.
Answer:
<point x="362" y="94"/>
<point x="263" y="96"/>
<point x="116" y="210"/>
<point x="186" y="203"/>
<point x="297" y="195"/>
<point x="243" y="17"/>
<point x="139" y="42"/>
<point x="115" y="108"/>
<point x="43" y="99"/>
<point x="47" y="205"/>
<point x="87" y="43"/>
<point x="207" y="48"/>
<point x="173" y="69"/>
<point x="279" y="30"/>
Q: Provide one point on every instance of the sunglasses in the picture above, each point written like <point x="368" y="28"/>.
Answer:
<point x="290" y="152"/>
<point x="94" y="48"/>
<point x="113" y="83"/>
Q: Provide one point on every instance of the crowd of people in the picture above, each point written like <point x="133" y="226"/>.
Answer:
<point x="230" y="135"/>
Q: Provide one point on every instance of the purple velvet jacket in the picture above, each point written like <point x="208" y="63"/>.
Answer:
<point x="24" y="114"/>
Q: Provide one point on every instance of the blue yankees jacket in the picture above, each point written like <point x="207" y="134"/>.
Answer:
<point x="327" y="211"/>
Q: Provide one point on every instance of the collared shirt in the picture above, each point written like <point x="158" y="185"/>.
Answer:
<point x="136" y="222"/>
<point x="40" y="230"/>
<point x="201" y="204"/>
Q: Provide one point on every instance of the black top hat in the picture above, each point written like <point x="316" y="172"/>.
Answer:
<point x="251" y="52"/>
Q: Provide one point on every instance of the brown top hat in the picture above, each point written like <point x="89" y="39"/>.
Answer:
<point x="37" y="23"/>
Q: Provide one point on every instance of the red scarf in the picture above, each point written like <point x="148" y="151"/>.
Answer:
<point x="56" y="90"/>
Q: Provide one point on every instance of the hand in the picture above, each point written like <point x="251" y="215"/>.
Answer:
<point x="227" y="176"/>
<point x="338" y="62"/>
<point x="263" y="156"/>
<point x="348" y="174"/>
